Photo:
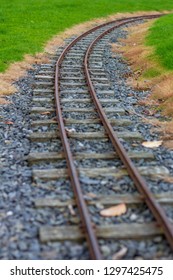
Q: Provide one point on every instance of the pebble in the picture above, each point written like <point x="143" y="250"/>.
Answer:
<point x="133" y="217"/>
<point x="9" y="213"/>
<point x="99" y="206"/>
<point x="158" y="239"/>
<point x="76" y="250"/>
<point x="105" y="250"/>
<point x="23" y="246"/>
<point x="138" y="258"/>
<point x="89" y="181"/>
<point x="142" y="246"/>
<point x="3" y="230"/>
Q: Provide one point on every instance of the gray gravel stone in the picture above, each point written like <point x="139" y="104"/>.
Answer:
<point x="106" y="251"/>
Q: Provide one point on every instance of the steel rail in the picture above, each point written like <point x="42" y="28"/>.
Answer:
<point x="139" y="182"/>
<point x="72" y="171"/>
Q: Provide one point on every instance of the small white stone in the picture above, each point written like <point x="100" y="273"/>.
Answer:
<point x="133" y="217"/>
<point x="105" y="250"/>
<point x="99" y="206"/>
<point x="103" y="182"/>
<point x="80" y="144"/>
<point x="9" y="213"/>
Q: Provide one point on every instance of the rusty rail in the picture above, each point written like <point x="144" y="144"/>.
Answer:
<point x="139" y="182"/>
<point x="83" y="210"/>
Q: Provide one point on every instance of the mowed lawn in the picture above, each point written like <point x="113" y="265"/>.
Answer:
<point x="160" y="36"/>
<point x="26" y="25"/>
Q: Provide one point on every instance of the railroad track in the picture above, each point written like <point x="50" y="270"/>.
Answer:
<point x="86" y="150"/>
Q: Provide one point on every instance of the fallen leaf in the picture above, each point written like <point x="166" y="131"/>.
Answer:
<point x="70" y="130"/>
<point x="45" y="113"/>
<point x="167" y="179"/>
<point x="119" y="255"/>
<point x="71" y="209"/>
<point x="92" y="195"/>
<point x="130" y="94"/>
<point x="8" y="122"/>
<point x="152" y="144"/>
<point x="114" y="210"/>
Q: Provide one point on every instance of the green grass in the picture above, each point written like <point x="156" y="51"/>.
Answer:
<point x="151" y="73"/>
<point x="25" y="25"/>
<point x="161" y="38"/>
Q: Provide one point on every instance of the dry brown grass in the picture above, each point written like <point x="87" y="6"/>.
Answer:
<point x="4" y="101"/>
<point x="169" y="144"/>
<point x="18" y="69"/>
<point x="163" y="92"/>
<point x="137" y="55"/>
<point x="166" y="127"/>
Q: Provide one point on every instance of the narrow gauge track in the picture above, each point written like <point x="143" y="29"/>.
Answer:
<point x="82" y="48"/>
